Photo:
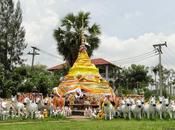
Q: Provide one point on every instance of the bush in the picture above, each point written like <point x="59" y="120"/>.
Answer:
<point x="126" y="91"/>
<point x="149" y="93"/>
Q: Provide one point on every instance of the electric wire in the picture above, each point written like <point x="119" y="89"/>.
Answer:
<point x="136" y="61"/>
<point x="136" y="57"/>
<point x="50" y="54"/>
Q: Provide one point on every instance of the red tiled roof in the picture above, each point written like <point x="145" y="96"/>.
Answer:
<point x="98" y="61"/>
<point x="57" y="67"/>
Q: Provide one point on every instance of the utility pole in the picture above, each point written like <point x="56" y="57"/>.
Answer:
<point x="33" y="53"/>
<point x="158" y="47"/>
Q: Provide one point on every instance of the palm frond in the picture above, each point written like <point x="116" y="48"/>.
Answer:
<point x="94" y="30"/>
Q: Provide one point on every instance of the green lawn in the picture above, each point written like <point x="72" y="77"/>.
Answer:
<point x="117" y="124"/>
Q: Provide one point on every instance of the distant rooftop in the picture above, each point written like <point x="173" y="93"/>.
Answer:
<point x="97" y="61"/>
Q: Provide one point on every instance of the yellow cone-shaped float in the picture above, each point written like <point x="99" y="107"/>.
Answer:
<point x="85" y="76"/>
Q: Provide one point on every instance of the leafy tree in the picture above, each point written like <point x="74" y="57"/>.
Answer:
<point x="138" y="76"/>
<point x="1" y="79"/>
<point x="68" y="35"/>
<point x="168" y="79"/>
<point x="39" y="80"/>
<point x="22" y="79"/>
<point x="11" y="34"/>
<point x="133" y="77"/>
<point x="155" y="71"/>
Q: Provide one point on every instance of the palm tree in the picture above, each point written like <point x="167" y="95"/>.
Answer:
<point x="155" y="71"/>
<point x="68" y="35"/>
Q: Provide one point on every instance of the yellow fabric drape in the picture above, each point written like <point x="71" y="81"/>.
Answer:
<point x="84" y="75"/>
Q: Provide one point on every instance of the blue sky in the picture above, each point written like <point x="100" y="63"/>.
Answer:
<point x="129" y="27"/>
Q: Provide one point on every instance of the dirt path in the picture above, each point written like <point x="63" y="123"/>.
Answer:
<point x="79" y="118"/>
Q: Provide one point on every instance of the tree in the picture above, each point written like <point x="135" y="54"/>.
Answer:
<point x="68" y="35"/>
<point x="138" y="76"/>
<point x="11" y="35"/>
<point x="23" y="79"/>
<point x="155" y="71"/>
<point x="132" y="78"/>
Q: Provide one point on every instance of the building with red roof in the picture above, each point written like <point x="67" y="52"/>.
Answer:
<point x="106" y="68"/>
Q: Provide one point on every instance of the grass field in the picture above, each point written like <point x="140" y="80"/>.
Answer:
<point x="117" y="124"/>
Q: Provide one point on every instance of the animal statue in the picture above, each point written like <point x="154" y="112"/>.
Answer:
<point x="40" y="103"/>
<point x="58" y="101"/>
<point x="18" y="107"/>
<point x="150" y="108"/>
<point x="125" y="108"/>
<point x="88" y="112"/>
<point x="165" y="108"/>
<point x="31" y="107"/>
<point x="117" y="101"/>
<point x="38" y="115"/>
<point x="109" y="110"/>
<point x="136" y="109"/>
<point x="68" y="111"/>
<point x="48" y="105"/>
<point x="171" y="109"/>
<point x="142" y="99"/>
<point x="60" y="111"/>
<point x="4" y="110"/>
<point x="159" y="106"/>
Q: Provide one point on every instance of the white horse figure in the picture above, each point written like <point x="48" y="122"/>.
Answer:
<point x="136" y="109"/>
<point x="31" y="107"/>
<point x="88" y="112"/>
<point x="38" y="115"/>
<point x="108" y="110"/>
<point x="159" y="109"/>
<point x="4" y="110"/>
<point x="125" y="108"/>
<point x="142" y="99"/>
<point x="40" y="103"/>
<point x="17" y="106"/>
<point x="163" y="107"/>
<point x="63" y="112"/>
<point x="49" y="105"/>
<point x="68" y="111"/>
<point x="150" y="108"/>
<point x="132" y="105"/>
<point x="171" y="109"/>
<point x="166" y="109"/>
<point x="56" y="113"/>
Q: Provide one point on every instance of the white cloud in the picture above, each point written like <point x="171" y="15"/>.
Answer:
<point x="130" y="15"/>
<point x="39" y="20"/>
<point x="117" y="19"/>
<point x="113" y="49"/>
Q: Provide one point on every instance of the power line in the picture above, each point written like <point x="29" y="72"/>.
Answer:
<point x="134" y="61"/>
<point x="33" y="53"/>
<point x="167" y="61"/>
<point x="136" y="57"/>
<point x="171" y="51"/>
<point x="159" y="49"/>
<point x="169" y="58"/>
<point x="50" y="54"/>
